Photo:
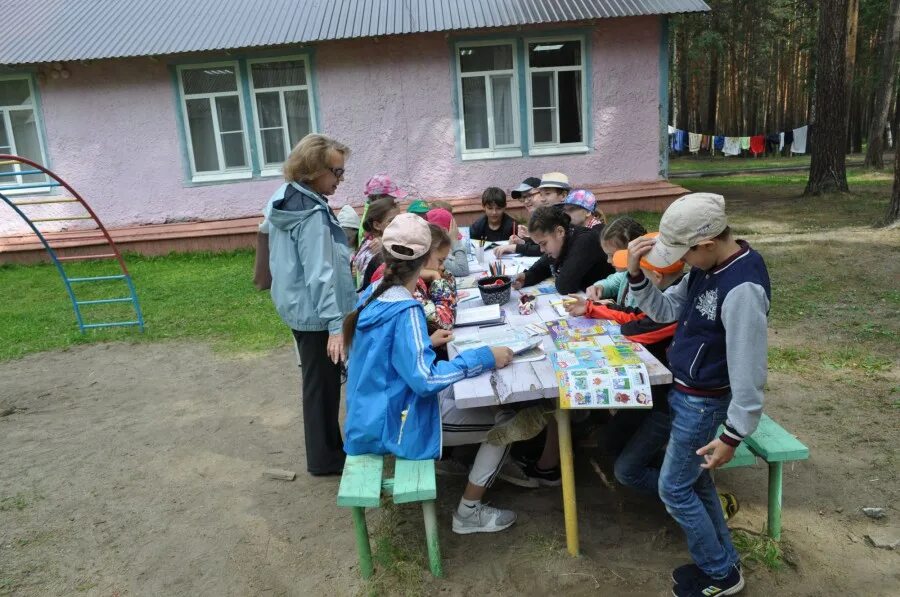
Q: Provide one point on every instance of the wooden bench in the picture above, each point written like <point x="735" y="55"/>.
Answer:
<point x="362" y="487"/>
<point x="775" y="445"/>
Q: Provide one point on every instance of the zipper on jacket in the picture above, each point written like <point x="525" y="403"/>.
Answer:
<point x="696" y="356"/>
<point x="404" y="414"/>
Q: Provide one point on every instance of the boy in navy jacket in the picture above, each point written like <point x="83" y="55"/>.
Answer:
<point x="718" y="359"/>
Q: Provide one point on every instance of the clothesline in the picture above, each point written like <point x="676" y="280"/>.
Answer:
<point x="794" y="139"/>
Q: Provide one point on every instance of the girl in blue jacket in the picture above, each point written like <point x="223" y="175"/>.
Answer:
<point x="399" y="397"/>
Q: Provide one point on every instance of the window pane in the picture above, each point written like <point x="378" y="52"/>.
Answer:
<point x="545" y="125"/>
<point x="501" y="90"/>
<point x="212" y="79"/>
<point x="273" y="146"/>
<point x="203" y="138"/>
<point x="475" y="113"/>
<point x="278" y="74"/>
<point x="25" y="135"/>
<point x="268" y="108"/>
<point x="233" y="150"/>
<point x="296" y="103"/>
<point x="554" y="53"/>
<point x="15" y="92"/>
<point x="229" y="109"/>
<point x="569" y="106"/>
<point x="5" y="146"/>
<point x="479" y="58"/>
<point x="542" y="93"/>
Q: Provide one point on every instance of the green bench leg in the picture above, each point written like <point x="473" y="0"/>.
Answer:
<point x="774" y="525"/>
<point x="362" y="541"/>
<point x="431" y="539"/>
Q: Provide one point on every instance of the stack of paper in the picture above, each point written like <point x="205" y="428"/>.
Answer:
<point x="486" y="315"/>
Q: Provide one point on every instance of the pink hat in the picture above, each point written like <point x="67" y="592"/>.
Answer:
<point x="439" y="217"/>
<point x="407" y="237"/>
<point x="583" y="199"/>
<point x="381" y="184"/>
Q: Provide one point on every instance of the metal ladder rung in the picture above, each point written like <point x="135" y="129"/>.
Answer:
<point x="85" y="257"/>
<point x="65" y="219"/>
<point x="110" y="325"/>
<point x="127" y="299"/>
<point x="22" y="172"/>
<point x="44" y="201"/>
<point x="30" y="185"/>
<point x="95" y="278"/>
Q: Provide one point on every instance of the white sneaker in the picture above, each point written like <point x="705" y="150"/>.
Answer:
<point x="513" y="473"/>
<point x="483" y="519"/>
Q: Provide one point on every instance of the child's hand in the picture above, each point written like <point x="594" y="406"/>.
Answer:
<point x="721" y="455"/>
<point x="522" y="231"/>
<point x="519" y="281"/>
<point x="577" y="307"/>
<point x="594" y="292"/>
<point x="503" y="250"/>
<point x="429" y="275"/>
<point x="637" y="249"/>
<point x="441" y="337"/>
<point x="503" y="356"/>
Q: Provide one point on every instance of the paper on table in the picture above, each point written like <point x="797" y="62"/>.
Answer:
<point x="488" y="314"/>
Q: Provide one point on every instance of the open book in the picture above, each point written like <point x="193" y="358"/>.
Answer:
<point x="486" y="315"/>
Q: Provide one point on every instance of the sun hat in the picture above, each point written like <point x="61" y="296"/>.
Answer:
<point x="532" y="182"/>
<point x="418" y="207"/>
<point x="690" y="220"/>
<point x="407" y="237"/>
<point x="348" y="218"/>
<point x="381" y="184"/>
<point x="620" y="261"/>
<point x="581" y="198"/>
<point x="439" y="217"/>
<point x="554" y="180"/>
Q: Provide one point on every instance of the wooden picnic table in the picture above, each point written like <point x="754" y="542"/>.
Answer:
<point x="523" y="381"/>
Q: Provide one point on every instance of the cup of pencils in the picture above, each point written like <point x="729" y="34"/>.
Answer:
<point x="497" y="268"/>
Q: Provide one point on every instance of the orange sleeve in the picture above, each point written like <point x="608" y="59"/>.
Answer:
<point x="618" y="315"/>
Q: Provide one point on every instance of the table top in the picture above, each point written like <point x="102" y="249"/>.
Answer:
<point x="524" y="381"/>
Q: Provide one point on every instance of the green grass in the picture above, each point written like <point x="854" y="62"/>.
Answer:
<point x="398" y="552"/>
<point x="198" y="296"/>
<point x="14" y="502"/>
<point x="758" y="548"/>
<point x="722" y="163"/>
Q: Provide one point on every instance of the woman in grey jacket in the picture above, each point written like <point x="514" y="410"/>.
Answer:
<point x="312" y="288"/>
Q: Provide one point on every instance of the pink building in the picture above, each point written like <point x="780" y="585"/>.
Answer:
<point x="157" y="112"/>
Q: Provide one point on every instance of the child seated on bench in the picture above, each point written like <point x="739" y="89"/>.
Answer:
<point x="399" y="397"/>
<point x="615" y="237"/>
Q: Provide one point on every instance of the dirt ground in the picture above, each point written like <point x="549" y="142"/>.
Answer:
<point x="136" y="470"/>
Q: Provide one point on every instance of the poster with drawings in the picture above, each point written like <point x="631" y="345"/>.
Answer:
<point x="603" y="377"/>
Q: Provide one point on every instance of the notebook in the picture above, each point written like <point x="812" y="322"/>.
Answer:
<point x="486" y="315"/>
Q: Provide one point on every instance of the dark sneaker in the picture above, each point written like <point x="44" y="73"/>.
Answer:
<point x="545" y="478"/>
<point x="685" y="575"/>
<point x="698" y="584"/>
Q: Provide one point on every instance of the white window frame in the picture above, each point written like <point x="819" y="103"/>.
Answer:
<point x="7" y="122"/>
<point x="224" y="173"/>
<point x="314" y="125"/>
<point x="551" y="148"/>
<point x="512" y="150"/>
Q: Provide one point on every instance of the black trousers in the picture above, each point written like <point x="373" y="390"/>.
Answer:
<point x="321" y="397"/>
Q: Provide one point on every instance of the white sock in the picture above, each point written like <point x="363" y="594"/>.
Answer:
<point x="466" y="507"/>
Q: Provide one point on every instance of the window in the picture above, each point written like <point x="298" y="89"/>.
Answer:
<point x="556" y="95"/>
<point x="488" y="100"/>
<point x="213" y="113"/>
<point x="19" y="131"/>
<point x="282" y="108"/>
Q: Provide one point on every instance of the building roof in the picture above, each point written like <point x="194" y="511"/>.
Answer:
<point x="59" y="30"/>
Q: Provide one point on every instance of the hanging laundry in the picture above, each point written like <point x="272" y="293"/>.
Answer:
<point x="694" y="142"/>
<point x="799" y="144"/>
<point x="772" y="142"/>
<point x="745" y="143"/>
<point x="780" y="142"/>
<point x="757" y="144"/>
<point x="672" y="129"/>
<point x="680" y="140"/>
<point x="704" y="143"/>
<point x="719" y="142"/>
<point x="788" y="138"/>
<point x="732" y="146"/>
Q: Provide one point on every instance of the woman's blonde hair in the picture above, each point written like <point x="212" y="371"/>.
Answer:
<point x="309" y="158"/>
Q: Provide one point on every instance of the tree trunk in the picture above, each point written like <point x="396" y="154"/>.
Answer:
<point x="828" y="167"/>
<point x="894" y="209"/>
<point x="887" y="74"/>
<point x="711" y="93"/>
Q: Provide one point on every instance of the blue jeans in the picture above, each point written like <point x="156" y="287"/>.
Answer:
<point x="633" y="466"/>
<point x="687" y="490"/>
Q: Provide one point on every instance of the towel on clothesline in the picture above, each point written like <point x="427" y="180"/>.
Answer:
<point x="799" y="144"/>
<point x="732" y="146"/>
<point x="680" y="140"/>
<point x="757" y="144"/>
<point x="745" y="143"/>
<point x="719" y="142"/>
<point x="694" y="142"/>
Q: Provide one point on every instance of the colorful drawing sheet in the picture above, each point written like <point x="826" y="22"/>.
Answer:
<point x="575" y="333"/>
<point x="586" y="382"/>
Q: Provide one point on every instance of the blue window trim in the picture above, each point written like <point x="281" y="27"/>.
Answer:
<point x="518" y="38"/>
<point x="307" y="54"/>
<point x="43" y="139"/>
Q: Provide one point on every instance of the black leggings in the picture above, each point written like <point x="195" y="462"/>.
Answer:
<point x="321" y="398"/>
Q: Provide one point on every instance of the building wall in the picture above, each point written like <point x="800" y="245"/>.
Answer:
<point x="112" y="132"/>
